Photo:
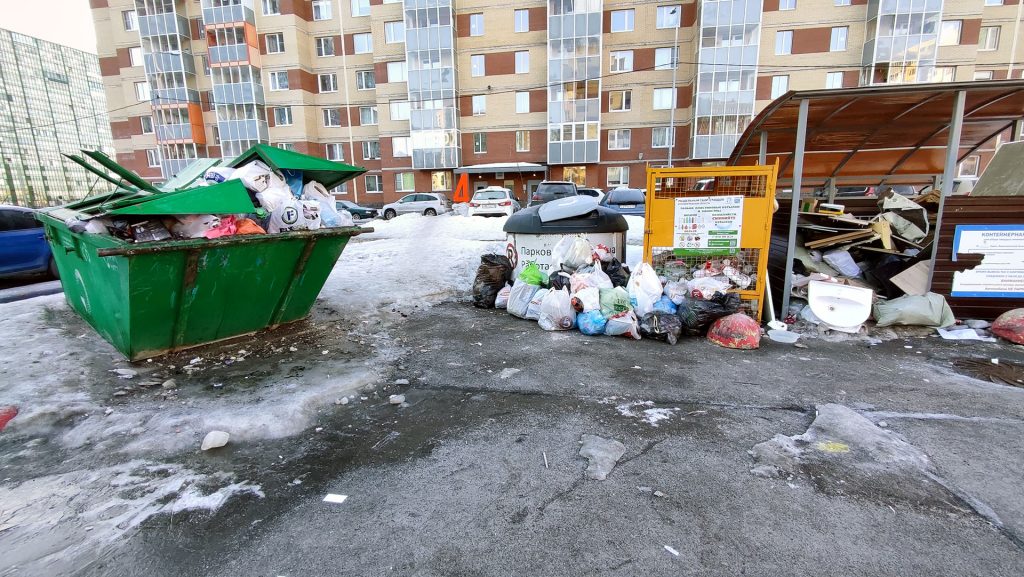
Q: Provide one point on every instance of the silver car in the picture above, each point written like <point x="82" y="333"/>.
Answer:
<point x="425" y="203"/>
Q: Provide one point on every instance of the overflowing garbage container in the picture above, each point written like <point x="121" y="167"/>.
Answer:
<point x="245" y="247"/>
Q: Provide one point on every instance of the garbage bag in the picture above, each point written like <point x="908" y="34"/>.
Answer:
<point x="329" y="215"/>
<point x="532" y="274"/>
<point x="194" y="225"/>
<point x="287" y="216"/>
<point x="676" y="292"/>
<point x="623" y="324"/>
<point x="556" y="314"/>
<point x="928" y="310"/>
<point x="219" y="174"/>
<point x="494" y="272"/>
<point x="662" y="326"/>
<point x="570" y="253"/>
<point x="590" y="297"/>
<point x="248" y="226"/>
<point x="644" y="288"/>
<point x="345" y="219"/>
<point x="618" y="274"/>
<point x="293" y="178"/>
<point x="1010" y="326"/>
<point x="589" y="276"/>
<point x="258" y="177"/>
<point x="614" y="301"/>
<point x="697" y="314"/>
<point x="591" y="323"/>
<point x="501" y="300"/>
<point x="665" y="305"/>
<point x="311" y="214"/>
<point x="559" y="279"/>
<point x="533" y="311"/>
<point x="519" y="298"/>
<point x="274" y="197"/>
<point x="735" y="331"/>
<point x="706" y="287"/>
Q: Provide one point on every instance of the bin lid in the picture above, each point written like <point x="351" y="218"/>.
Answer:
<point x="568" y="207"/>
<point x="327" y="172"/>
<point x="600" y="219"/>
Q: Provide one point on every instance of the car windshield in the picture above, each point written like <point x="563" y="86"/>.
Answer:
<point x="490" y="195"/>
<point x="345" y="204"/>
<point x="626" y="196"/>
<point x="554" y="188"/>
<point x="588" y="192"/>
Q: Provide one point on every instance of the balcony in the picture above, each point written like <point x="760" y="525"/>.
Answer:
<point x="230" y="53"/>
<point x="174" y="96"/>
<point x="168" y="132"/>
<point x="250" y="129"/>
<point x="173" y="166"/>
<point x="163" y="24"/>
<point x="228" y="14"/>
<point x="157" y="62"/>
<point x="238" y="93"/>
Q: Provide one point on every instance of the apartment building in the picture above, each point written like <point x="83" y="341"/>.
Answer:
<point x="51" y="103"/>
<point x="422" y="91"/>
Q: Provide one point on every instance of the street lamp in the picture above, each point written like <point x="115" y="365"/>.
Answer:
<point x="675" y="68"/>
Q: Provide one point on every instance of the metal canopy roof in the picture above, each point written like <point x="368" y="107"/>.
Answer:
<point x="875" y="133"/>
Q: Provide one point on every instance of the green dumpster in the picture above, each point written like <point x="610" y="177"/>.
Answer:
<point x="150" y="298"/>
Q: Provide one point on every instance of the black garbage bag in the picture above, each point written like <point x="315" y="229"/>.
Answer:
<point x="494" y="272"/>
<point x="615" y="271"/>
<point x="559" y="280"/>
<point x="661" y="326"/>
<point x="697" y="314"/>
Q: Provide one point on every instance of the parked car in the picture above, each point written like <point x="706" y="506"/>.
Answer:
<point x="425" y="203"/>
<point x="594" y="192"/>
<point x="550" y="190"/>
<point x="23" y="248"/>
<point x="493" y="201"/>
<point x="626" y="201"/>
<point x="356" y="210"/>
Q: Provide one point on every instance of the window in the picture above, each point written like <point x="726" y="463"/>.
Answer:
<point x="131" y="20"/>
<point x="282" y="116"/>
<point x="147" y="124"/>
<point x="371" y="150"/>
<point x="479" y="142"/>
<point x="943" y="74"/>
<point x="784" y="42"/>
<point x="322" y="9"/>
<point x="360" y="7"/>
<point x="989" y="38"/>
<point x="668" y="16"/>
<point x="834" y="80"/>
<point x="522" y="141"/>
<point x="618" y="139"/>
<point x="522" y="62"/>
<point x="405" y="182"/>
<point x="399" y="110"/>
<point x="949" y="33"/>
<point x="325" y="46"/>
<point x="780" y="85"/>
<point x="400" y="146"/>
<point x="279" y="80"/>
<point x="440" y="180"/>
<point x="271" y="7"/>
<point x="206" y="64"/>
<point x="332" y="117"/>
<point x="340" y="189"/>
<point x="367" y="115"/>
<point x="983" y="75"/>
<point x="476" y="24"/>
<point x="622" y="20"/>
<point x="328" y="82"/>
<point x="274" y="43"/>
<point x="286" y="145"/>
<point x="522" y="18"/>
<point x="398" y="72"/>
<point x="663" y="99"/>
<point x="620" y="100"/>
<point x="479" y="105"/>
<point x="135" y="55"/>
<point x="142" y="93"/>
<point x="476" y="65"/>
<point x="363" y="43"/>
<point x="661" y="137"/>
<point x="153" y="157"/>
<point x="394" y="32"/>
<point x="838" y="41"/>
<point x="969" y="167"/>
<point x="522" y="102"/>
<point x="993" y="2"/>
<point x="365" y="80"/>
<point x="787" y="4"/>
<point x="618" y="176"/>
<point x="621" y="60"/>
<point x="664" y="58"/>
<point x="335" y="151"/>
<point x="842" y="2"/>
<point x="374" y="182"/>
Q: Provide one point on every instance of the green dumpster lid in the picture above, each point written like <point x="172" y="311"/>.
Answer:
<point x="327" y="172"/>
<point x="129" y="176"/>
<point x="188" y="175"/>
<point x="229" y="197"/>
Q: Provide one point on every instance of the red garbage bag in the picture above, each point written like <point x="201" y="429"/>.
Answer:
<point x="1010" y="326"/>
<point x="736" y="331"/>
<point x="6" y="414"/>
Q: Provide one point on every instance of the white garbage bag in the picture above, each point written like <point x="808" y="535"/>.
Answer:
<point x="519" y="298"/>
<point x="590" y="276"/>
<point x="624" y="324"/>
<point x="287" y="217"/>
<point x="194" y="225"/>
<point x="274" y="197"/>
<point x="644" y="288"/>
<point x="533" y="311"/>
<point x="329" y="216"/>
<point x="219" y="174"/>
<point x="590" y="297"/>
<point x="258" y="177"/>
<point x="311" y="214"/>
<point x="570" y="253"/>
<point x="556" y="312"/>
<point x="501" y="301"/>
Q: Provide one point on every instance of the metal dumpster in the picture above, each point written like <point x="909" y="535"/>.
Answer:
<point x="150" y="298"/>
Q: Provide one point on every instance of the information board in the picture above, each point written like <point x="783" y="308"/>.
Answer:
<point x="1001" y="273"/>
<point x="708" y="225"/>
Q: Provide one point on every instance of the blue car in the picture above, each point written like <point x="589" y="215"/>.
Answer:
<point x="23" y="248"/>
<point x="626" y="201"/>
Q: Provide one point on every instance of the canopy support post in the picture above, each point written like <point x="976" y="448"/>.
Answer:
<point x="798" y="175"/>
<point x="762" y="153"/>
<point x="952" y="154"/>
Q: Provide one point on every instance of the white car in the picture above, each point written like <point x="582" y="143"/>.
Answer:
<point x="493" y="201"/>
<point x="425" y="203"/>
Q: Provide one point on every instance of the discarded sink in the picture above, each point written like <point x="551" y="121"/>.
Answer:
<point x="842" y="307"/>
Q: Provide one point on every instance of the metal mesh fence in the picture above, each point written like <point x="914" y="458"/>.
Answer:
<point x="753" y="186"/>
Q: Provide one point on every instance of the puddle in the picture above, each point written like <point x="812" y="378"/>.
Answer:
<point x="1003" y="373"/>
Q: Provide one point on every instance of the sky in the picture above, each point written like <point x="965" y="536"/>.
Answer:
<point x="67" y="22"/>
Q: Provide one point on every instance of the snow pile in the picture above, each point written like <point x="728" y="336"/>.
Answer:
<point x="602" y="454"/>
<point x="634" y="240"/>
<point x="652" y="416"/>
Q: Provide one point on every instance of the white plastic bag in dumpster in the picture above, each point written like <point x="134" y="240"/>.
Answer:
<point x="533" y="311"/>
<point x="501" y="301"/>
<point x="556" y="312"/>
<point x="676" y="291"/>
<point x="644" y="288"/>
<point x="705" y="288"/>
<point x="258" y="177"/>
<point x="329" y="215"/>
<point x="288" y="216"/>
<point x="219" y="174"/>
<point x="194" y="225"/>
<point x="274" y="197"/>
<point x="570" y="253"/>
<point x="590" y="298"/>
<point x="311" y="214"/>
<point x="589" y="276"/>
<point x="519" y="298"/>
<point x="624" y="324"/>
<point x="345" y="218"/>
<point x="929" y="310"/>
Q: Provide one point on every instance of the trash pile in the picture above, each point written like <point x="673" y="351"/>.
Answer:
<point x="590" y="290"/>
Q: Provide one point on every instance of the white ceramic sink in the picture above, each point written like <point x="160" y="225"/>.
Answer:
<point x="841" y="306"/>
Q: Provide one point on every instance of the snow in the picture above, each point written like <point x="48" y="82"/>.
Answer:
<point x="651" y="415"/>
<point x="602" y="454"/>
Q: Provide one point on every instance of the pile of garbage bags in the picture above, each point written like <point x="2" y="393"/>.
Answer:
<point x="591" y="291"/>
